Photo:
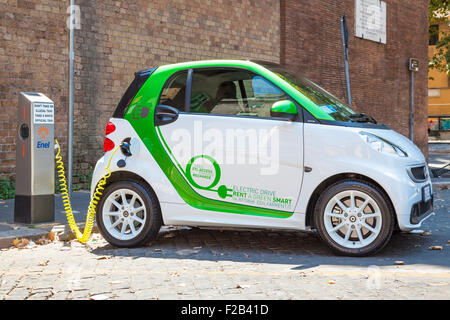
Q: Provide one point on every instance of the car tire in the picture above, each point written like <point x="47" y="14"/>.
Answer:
<point x="140" y="214"/>
<point x="346" y="226"/>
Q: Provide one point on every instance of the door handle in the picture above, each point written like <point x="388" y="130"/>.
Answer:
<point x="165" y="115"/>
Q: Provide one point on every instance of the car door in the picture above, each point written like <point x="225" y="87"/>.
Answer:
<point x="232" y="154"/>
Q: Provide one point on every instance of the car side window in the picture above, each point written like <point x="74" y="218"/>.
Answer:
<point x="174" y="92"/>
<point x="233" y="92"/>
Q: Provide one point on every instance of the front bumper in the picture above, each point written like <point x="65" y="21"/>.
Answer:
<point x="412" y="210"/>
<point x="421" y="210"/>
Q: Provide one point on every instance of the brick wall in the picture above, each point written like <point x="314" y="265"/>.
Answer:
<point x="116" y="39"/>
<point x="379" y="77"/>
<point x="33" y="57"/>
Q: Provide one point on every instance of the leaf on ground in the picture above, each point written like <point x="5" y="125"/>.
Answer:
<point x="399" y="262"/>
<point x="104" y="258"/>
<point x="43" y="264"/>
<point x="15" y="242"/>
<point x="51" y="236"/>
<point x="444" y="187"/>
<point x="436" y="248"/>
<point x="331" y="282"/>
<point x="425" y="233"/>
<point x="20" y="244"/>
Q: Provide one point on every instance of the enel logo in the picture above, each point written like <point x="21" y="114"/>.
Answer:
<point x="43" y="145"/>
<point x="43" y="132"/>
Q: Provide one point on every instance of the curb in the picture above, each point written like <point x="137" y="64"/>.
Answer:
<point x="35" y="233"/>
<point x="7" y="237"/>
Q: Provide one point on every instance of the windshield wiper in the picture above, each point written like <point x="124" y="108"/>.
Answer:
<point x="362" y="117"/>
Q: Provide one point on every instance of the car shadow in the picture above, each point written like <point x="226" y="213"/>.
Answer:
<point x="302" y="250"/>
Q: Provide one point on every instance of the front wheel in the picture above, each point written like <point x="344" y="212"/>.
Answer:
<point x="354" y="218"/>
<point x="128" y="214"/>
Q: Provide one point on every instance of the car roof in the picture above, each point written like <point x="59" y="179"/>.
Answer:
<point x="213" y="63"/>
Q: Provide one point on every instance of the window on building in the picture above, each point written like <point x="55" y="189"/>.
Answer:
<point x="433" y="34"/>
<point x="433" y="124"/>
<point x="174" y="92"/>
<point x="445" y="124"/>
<point x="233" y="92"/>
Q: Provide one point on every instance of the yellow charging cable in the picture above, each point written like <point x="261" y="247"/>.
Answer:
<point x="82" y="237"/>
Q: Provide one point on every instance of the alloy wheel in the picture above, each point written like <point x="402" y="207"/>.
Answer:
<point x="352" y="219"/>
<point x="124" y="214"/>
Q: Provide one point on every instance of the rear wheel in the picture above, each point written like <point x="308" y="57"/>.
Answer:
<point x="354" y="218"/>
<point x="128" y="214"/>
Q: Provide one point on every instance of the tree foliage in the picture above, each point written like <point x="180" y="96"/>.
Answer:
<point x="438" y="12"/>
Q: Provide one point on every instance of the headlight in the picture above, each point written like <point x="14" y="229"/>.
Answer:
<point x="381" y="145"/>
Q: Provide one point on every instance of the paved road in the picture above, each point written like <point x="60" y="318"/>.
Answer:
<point x="206" y="264"/>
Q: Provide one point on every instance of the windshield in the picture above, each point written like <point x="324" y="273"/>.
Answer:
<point x="324" y="100"/>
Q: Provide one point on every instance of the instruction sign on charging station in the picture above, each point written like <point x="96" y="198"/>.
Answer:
<point x="43" y="113"/>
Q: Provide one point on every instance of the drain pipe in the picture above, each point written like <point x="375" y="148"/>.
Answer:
<point x="413" y="67"/>
<point x="344" y="35"/>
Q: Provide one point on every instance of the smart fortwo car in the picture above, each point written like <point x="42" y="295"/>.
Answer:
<point x="241" y="144"/>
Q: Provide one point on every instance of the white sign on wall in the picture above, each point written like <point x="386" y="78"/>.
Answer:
<point x="370" y="20"/>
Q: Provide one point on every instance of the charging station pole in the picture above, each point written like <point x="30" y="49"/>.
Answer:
<point x="34" y="201"/>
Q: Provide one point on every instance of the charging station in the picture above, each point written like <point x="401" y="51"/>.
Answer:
<point x="35" y="169"/>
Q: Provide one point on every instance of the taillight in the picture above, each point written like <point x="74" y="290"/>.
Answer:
<point x="110" y="127"/>
<point x="108" y="145"/>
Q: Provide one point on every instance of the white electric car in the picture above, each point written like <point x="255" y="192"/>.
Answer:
<point x="240" y="144"/>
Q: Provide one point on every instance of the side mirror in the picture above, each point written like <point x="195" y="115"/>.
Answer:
<point x="284" y="109"/>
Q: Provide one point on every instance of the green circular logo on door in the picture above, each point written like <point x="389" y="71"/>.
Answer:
<point x="203" y="172"/>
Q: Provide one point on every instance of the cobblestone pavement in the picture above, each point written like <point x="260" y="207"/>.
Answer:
<point x="210" y="264"/>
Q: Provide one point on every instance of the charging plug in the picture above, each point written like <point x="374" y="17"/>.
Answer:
<point x="125" y="147"/>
